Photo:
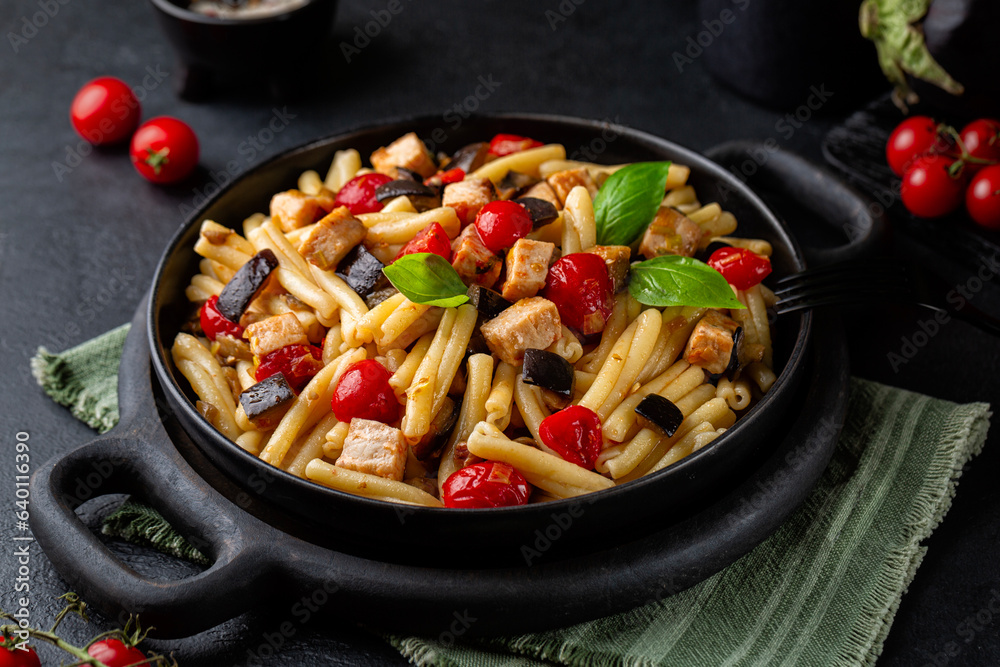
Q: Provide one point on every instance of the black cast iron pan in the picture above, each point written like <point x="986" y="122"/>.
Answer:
<point x="412" y="568"/>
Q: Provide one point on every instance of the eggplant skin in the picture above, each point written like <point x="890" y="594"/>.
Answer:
<point x="659" y="413"/>
<point x="246" y="284"/>
<point x="962" y="37"/>
<point x="549" y="371"/>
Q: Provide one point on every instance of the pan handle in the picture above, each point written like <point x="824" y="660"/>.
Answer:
<point x="817" y="190"/>
<point x="127" y="462"/>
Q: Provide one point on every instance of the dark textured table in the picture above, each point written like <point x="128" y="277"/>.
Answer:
<point x="81" y="233"/>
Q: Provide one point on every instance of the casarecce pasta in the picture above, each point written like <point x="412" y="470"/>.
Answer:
<point x="307" y="355"/>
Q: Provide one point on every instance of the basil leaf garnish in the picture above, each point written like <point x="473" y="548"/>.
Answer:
<point x="674" y="280"/>
<point x="628" y="200"/>
<point x="426" y="278"/>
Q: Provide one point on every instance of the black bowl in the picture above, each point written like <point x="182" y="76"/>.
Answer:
<point x="274" y="49"/>
<point x="374" y="528"/>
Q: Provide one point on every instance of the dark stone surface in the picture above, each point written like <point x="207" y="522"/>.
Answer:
<point x="77" y="249"/>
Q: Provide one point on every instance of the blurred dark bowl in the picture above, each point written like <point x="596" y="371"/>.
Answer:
<point x="216" y="52"/>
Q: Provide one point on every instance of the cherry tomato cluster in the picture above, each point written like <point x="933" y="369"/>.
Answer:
<point x="106" y="111"/>
<point x="941" y="168"/>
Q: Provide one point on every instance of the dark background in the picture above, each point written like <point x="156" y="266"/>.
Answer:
<point x="77" y="249"/>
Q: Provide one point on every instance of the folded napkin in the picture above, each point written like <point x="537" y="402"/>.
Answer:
<point x="821" y="591"/>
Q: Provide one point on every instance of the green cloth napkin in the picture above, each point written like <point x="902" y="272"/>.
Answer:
<point x="821" y="591"/>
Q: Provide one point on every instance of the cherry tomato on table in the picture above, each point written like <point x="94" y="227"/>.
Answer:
<point x="115" y="653"/>
<point x="358" y="194"/>
<point x="581" y="288"/>
<point x="298" y="363"/>
<point x="930" y="189"/>
<point x="501" y="223"/>
<point x="431" y="238"/>
<point x="105" y="111"/>
<point x="164" y="150"/>
<point x="363" y="391"/>
<point x="214" y="323"/>
<point x="740" y="267"/>
<point x="982" y="198"/>
<point x="981" y="139"/>
<point x="574" y="433"/>
<point x="14" y="657"/>
<point x="505" y="144"/>
<point x="912" y="138"/>
<point x="485" y="484"/>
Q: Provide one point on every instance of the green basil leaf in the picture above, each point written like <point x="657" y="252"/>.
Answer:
<point x="674" y="280"/>
<point x="426" y="278"/>
<point x="628" y="200"/>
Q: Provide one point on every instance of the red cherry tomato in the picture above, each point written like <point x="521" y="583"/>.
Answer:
<point x="105" y="111"/>
<point x="485" y="484"/>
<point x="505" y="144"/>
<point x="501" y="223"/>
<point x="298" y="363"/>
<point x="740" y="267"/>
<point x="358" y="194"/>
<point x="982" y="198"/>
<point x="164" y="150"/>
<point x="115" y="653"/>
<point x="445" y="177"/>
<point x="15" y="657"/>
<point x="214" y="323"/>
<point x="981" y="139"/>
<point x="363" y="391"/>
<point x="581" y="288"/>
<point x="914" y="137"/>
<point x="431" y="238"/>
<point x="574" y="434"/>
<point x="929" y="190"/>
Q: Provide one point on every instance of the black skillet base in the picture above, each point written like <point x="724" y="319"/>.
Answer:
<point x="260" y="559"/>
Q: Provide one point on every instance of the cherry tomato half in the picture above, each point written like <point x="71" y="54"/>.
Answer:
<point x="982" y="198"/>
<point x="105" y="111"/>
<point x="164" y="150"/>
<point x="15" y="657"/>
<point x="298" y="362"/>
<point x="505" y="144"/>
<point x="363" y="391"/>
<point x="214" y="323"/>
<point x="501" y="223"/>
<point x="358" y="194"/>
<point x="445" y="177"/>
<point x="981" y="139"/>
<point x="740" y="267"/>
<point x="574" y="434"/>
<point x="929" y="189"/>
<point x="431" y="238"/>
<point x="581" y="288"/>
<point x="914" y="137"/>
<point x="485" y="484"/>
<point x="115" y="653"/>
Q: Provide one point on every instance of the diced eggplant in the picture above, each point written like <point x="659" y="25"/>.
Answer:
<point x="360" y="270"/>
<point x="659" y="414"/>
<point x="266" y="401"/>
<point x="542" y="212"/>
<point x="487" y="301"/>
<point x="734" y="357"/>
<point x="403" y="188"/>
<point x="477" y="343"/>
<point x="383" y="290"/>
<point x="549" y="371"/>
<point x="404" y="174"/>
<point x="469" y="158"/>
<point x="513" y="183"/>
<point x="246" y="284"/>
<point x="441" y="426"/>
